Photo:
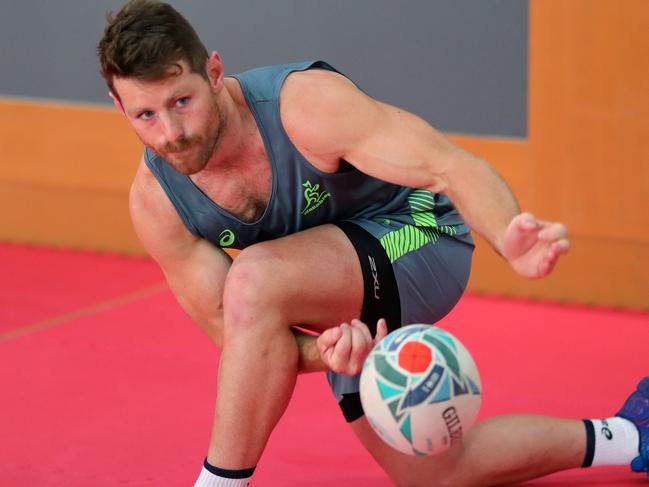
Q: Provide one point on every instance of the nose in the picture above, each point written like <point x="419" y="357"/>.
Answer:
<point x="172" y="129"/>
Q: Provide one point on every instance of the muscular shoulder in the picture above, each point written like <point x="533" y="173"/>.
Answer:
<point x="323" y="112"/>
<point x="156" y="221"/>
<point x="147" y="200"/>
<point x="315" y="84"/>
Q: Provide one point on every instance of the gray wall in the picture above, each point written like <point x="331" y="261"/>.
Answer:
<point x="461" y="64"/>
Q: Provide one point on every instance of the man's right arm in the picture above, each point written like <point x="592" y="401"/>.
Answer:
<point x="194" y="268"/>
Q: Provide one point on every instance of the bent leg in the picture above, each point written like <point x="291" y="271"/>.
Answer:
<point x="497" y="451"/>
<point x="311" y="278"/>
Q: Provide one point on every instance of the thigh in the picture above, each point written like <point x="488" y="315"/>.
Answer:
<point x="311" y="278"/>
<point x="432" y="279"/>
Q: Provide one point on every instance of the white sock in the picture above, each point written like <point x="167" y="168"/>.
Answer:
<point x="211" y="476"/>
<point x="616" y="441"/>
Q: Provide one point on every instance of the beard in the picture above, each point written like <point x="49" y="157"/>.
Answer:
<point x="191" y="153"/>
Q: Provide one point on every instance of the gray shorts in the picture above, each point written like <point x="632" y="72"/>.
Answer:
<point x="420" y="287"/>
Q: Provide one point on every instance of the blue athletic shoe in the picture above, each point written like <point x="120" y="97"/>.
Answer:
<point x="636" y="410"/>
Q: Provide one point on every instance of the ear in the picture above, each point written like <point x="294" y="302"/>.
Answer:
<point x="117" y="103"/>
<point x="215" y="71"/>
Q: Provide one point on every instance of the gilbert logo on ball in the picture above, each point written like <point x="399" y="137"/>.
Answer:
<point x="420" y="389"/>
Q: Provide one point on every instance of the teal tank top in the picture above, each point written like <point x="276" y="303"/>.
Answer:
<point x="402" y="218"/>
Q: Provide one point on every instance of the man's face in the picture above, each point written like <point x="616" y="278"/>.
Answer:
<point x="178" y="117"/>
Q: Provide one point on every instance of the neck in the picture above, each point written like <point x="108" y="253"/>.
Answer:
<point x="239" y="128"/>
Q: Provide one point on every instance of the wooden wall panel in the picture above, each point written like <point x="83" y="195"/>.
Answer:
<point x="66" y="217"/>
<point x="64" y="176"/>
<point x="51" y="144"/>
<point x="589" y="100"/>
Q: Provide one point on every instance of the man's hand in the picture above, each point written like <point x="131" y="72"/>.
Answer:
<point x="344" y="348"/>
<point x="532" y="247"/>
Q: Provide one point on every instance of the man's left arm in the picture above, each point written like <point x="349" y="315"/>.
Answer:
<point x="331" y="120"/>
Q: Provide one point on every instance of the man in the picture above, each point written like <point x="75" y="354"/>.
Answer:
<point x="342" y="206"/>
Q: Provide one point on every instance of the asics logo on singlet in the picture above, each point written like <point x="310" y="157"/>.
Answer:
<point x="375" y="276"/>
<point x="313" y="197"/>
<point x="226" y="238"/>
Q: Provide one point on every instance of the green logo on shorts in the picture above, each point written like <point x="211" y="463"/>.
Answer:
<point x="313" y="197"/>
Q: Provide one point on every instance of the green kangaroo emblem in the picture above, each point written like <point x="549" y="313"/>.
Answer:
<point x="313" y="197"/>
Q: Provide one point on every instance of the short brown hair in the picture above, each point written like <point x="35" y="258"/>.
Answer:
<point x="146" y="39"/>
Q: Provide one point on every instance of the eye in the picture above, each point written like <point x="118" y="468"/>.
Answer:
<point x="181" y="102"/>
<point x="146" y="115"/>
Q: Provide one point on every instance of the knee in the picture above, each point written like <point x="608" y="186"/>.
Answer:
<point x="252" y="292"/>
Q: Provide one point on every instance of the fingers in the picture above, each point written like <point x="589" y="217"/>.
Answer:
<point x="553" y="232"/>
<point x="381" y="330"/>
<point x="550" y="260"/>
<point x="344" y="348"/>
<point x="533" y="246"/>
<point x="558" y="248"/>
<point x="363" y="329"/>
<point x="335" y="345"/>
<point x="328" y="339"/>
<point x="547" y="266"/>
<point x="361" y="344"/>
<point x="555" y="235"/>
<point x="546" y="231"/>
<point x="561" y="246"/>
<point x="527" y="221"/>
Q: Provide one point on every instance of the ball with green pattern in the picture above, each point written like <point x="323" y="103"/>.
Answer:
<point x="420" y="389"/>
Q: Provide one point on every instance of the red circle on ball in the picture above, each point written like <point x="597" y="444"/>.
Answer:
<point x="415" y="357"/>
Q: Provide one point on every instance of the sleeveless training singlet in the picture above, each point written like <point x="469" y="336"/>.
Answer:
<point x="402" y="219"/>
<point x="422" y="234"/>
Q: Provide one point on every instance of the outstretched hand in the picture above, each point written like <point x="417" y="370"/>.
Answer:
<point x="344" y="348"/>
<point x="532" y="247"/>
